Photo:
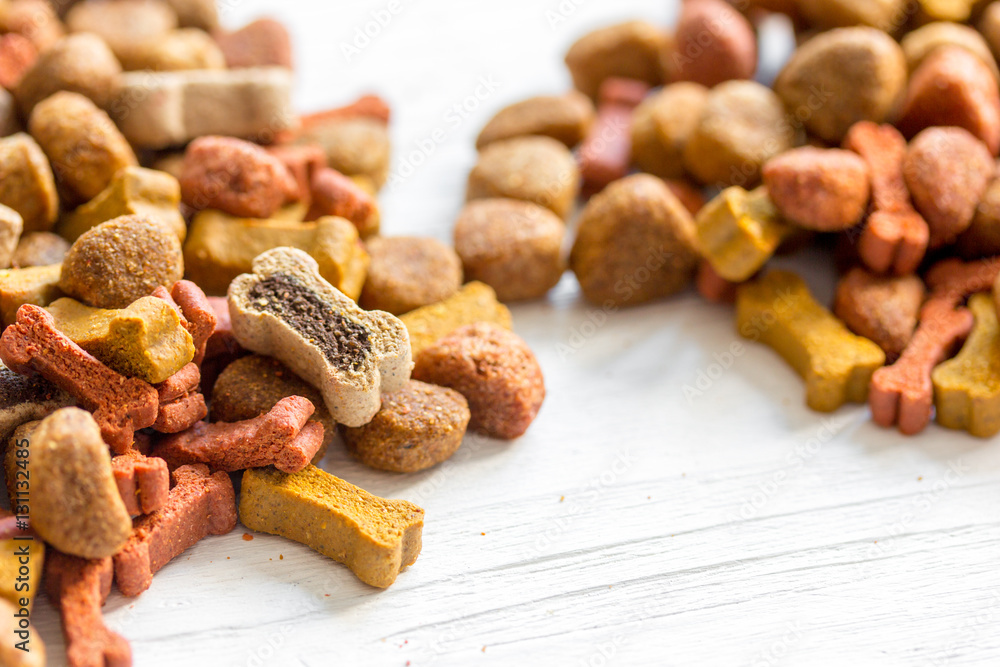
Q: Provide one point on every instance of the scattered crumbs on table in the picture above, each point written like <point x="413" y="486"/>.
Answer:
<point x="247" y="537"/>
<point x="484" y="649"/>
<point x="281" y="557"/>
<point x="562" y="498"/>
<point x="920" y="479"/>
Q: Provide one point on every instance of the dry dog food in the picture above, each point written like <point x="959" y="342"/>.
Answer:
<point x="333" y="194"/>
<point x="883" y="309"/>
<point x="286" y="310"/>
<point x="354" y="138"/>
<point x="475" y="302"/>
<point x="817" y="189"/>
<point x="181" y="404"/>
<point x="882" y="14"/>
<point x="712" y="43"/>
<point x="303" y="161"/>
<point x="26" y="182"/>
<point x="35" y="20"/>
<point x="143" y="481"/>
<point x="184" y="49"/>
<point x="927" y="39"/>
<point x="982" y="238"/>
<point x="566" y="118"/>
<point x="80" y="63"/>
<point x="417" y="427"/>
<point x="494" y="370"/>
<point x="11" y="226"/>
<point x="17" y="56"/>
<point x="662" y="125"/>
<point x="127" y="26"/>
<point x="24" y="399"/>
<point x="263" y="43"/>
<point x="35" y="285"/>
<point x="607" y="148"/>
<point x="408" y="272"/>
<point x="39" y="249"/>
<point x="628" y="50"/>
<point x="374" y="537"/>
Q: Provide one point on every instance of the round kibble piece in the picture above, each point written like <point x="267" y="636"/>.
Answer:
<point x="82" y="143"/>
<point x="417" y="427"/>
<point x="627" y="50"/>
<point x="923" y="41"/>
<point x="882" y="14"/>
<point x="80" y="63"/>
<point x="39" y="249"/>
<point x="26" y="182"/>
<point x="187" y="48"/>
<point x="712" y="43"/>
<point x="841" y="77"/>
<point x="407" y="272"/>
<point x="513" y="246"/>
<point x="127" y="26"/>
<point x="494" y="370"/>
<point x="741" y="126"/>
<point x="662" y="125"/>
<point x="635" y="244"/>
<point x="947" y="171"/>
<point x="536" y="169"/>
<point x="565" y="118"/>
<point x="824" y="190"/>
<point x="120" y="261"/>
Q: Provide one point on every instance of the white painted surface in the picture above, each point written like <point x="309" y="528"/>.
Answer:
<point x="629" y="526"/>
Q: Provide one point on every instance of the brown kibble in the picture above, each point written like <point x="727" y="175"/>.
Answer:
<point x="127" y="26"/>
<point x="712" y="43"/>
<point x="120" y="261"/>
<point x="947" y="171"/>
<point x="635" y="243"/>
<point x="887" y="15"/>
<point x="953" y="87"/>
<point x="824" y="190"/>
<point x="17" y="56"/>
<point x="607" y="150"/>
<point x="355" y="143"/>
<point x="408" y="272"/>
<point x="627" y="50"/>
<point x="565" y="118"/>
<point x="26" y="182"/>
<point x="417" y="427"/>
<point x="882" y="309"/>
<point x="143" y="482"/>
<point x="982" y="238"/>
<point x="263" y="43"/>
<point x="662" y="125"/>
<point x="536" y="169"/>
<point x="201" y="14"/>
<point x="80" y="63"/>
<point x="514" y="247"/>
<point x="333" y="194"/>
<point x="39" y="249"/>
<point x="184" y="49"/>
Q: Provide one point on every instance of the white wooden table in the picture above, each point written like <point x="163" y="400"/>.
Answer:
<point x="630" y="525"/>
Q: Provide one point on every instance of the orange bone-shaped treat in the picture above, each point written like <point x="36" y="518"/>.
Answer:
<point x="283" y="437"/>
<point x="181" y="404"/>
<point x="120" y="405"/>
<point x="79" y="587"/>
<point x="200" y="504"/>
<point x="896" y="237"/>
<point x="196" y="312"/>
<point x="607" y="150"/>
<point x="143" y="482"/>
<point x="959" y="279"/>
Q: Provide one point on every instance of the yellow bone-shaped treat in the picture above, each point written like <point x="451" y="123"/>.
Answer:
<point x="132" y="191"/>
<point x="475" y="302"/>
<point x="778" y="310"/>
<point x="220" y="247"/>
<point x="145" y="340"/>
<point x="38" y="285"/>
<point x="373" y="536"/>
<point x="967" y="388"/>
<point x="738" y="231"/>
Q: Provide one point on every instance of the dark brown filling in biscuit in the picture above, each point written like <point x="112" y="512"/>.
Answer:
<point x="343" y="342"/>
<point x="16" y="389"/>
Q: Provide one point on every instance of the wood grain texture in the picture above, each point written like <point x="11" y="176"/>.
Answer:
<point x="636" y="522"/>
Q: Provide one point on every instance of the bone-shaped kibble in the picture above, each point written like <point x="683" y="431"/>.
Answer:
<point x="957" y="279"/>
<point x="738" y="231"/>
<point x="967" y="388"/>
<point x="283" y="437"/>
<point x="143" y="482"/>
<point x="120" y="405"/>
<point x="181" y="404"/>
<point x="284" y="309"/>
<point x="199" y="504"/>
<point x="144" y="340"/>
<point x="197" y="314"/>
<point x="778" y="310"/>
<point x="607" y="150"/>
<point x="896" y="237"/>
<point x="334" y="194"/>
<point x="79" y="588"/>
<point x="373" y="536"/>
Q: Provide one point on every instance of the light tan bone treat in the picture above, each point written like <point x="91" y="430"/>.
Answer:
<point x="39" y="249"/>
<point x="78" y="588"/>
<point x="77" y="508"/>
<point x="132" y="191"/>
<point x="407" y="272"/>
<point x="662" y="125"/>
<point x="184" y="49"/>
<point x="172" y="108"/>
<point x="199" y="505"/>
<point x="11" y="225"/>
<point x="842" y="77"/>
<point x="884" y="309"/>
<point x="882" y="14"/>
<point x="475" y="302"/>
<point x="220" y="247"/>
<point x="120" y="261"/>
<point x="127" y="26"/>
<point x="636" y="243"/>
<point x="26" y="182"/>
<point x="83" y="145"/>
<point x="536" y="169"/>
<point x="143" y="481"/>
<point x="627" y="50"/>
<point x="355" y="145"/>
<point x="38" y="285"/>
<point x="80" y="63"/>
<point x="513" y="246"/>
<point x="144" y="340"/>
<point x="286" y="310"/>
<point x="967" y="388"/>
<point x="33" y="19"/>
<point x="923" y="41"/>
<point x="565" y="118"/>
<point x="739" y="231"/>
<point x="373" y="536"/>
<point x="741" y="126"/>
<point x="712" y="43"/>
<point x="779" y="311"/>
<point x="24" y="399"/>
<point x="202" y="14"/>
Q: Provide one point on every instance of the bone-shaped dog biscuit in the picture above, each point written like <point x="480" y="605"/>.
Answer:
<point x="373" y="536"/>
<point x="778" y="310"/>
<point x="143" y="481"/>
<point x="284" y="309"/>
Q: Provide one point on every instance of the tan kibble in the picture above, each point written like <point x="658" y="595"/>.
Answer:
<point x="513" y="246"/>
<point x="11" y="225"/>
<point x="34" y="19"/>
<point x="841" y="77"/>
<point x="83" y="145"/>
<point x="39" y="249"/>
<point x="407" y="273"/>
<point x="535" y="169"/>
<point x="886" y="15"/>
<point x="81" y="63"/>
<point x="627" y="50"/>
<point x="565" y="118"/>
<point x="354" y="146"/>
<point x="127" y="26"/>
<point x="201" y="14"/>
<point x="635" y="244"/>
<point x="26" y="182"/>
<point x="919" y="44"/>
<point x="989" y="27"/>
<point x="742" y="125"/>
<point x="187" y="48"/>
<point x="945" y="10"/>
<point x="120" y="261"/>
<point x="662" y="125"/>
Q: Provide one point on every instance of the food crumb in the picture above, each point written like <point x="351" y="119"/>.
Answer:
<point x="562" y="498"/>
<point x="920" y="479"/>
<point x="482" y="533"/>
<point x="281" y="557"/>
<point x="247" y="537"/>
<point x="484" y="649"/>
